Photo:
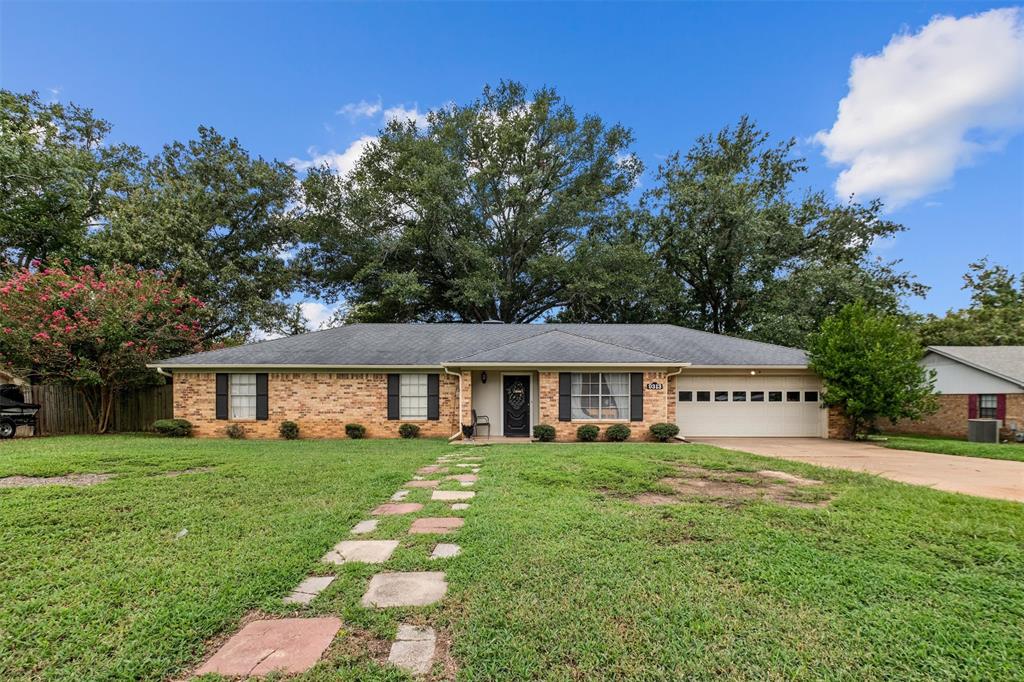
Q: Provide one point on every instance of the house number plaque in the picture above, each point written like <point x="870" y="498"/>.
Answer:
<point x="654" y="386"/>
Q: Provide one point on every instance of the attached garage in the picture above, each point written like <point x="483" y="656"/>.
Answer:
<point x="765" y="404"/>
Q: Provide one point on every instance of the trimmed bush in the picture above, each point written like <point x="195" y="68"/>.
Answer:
<point x="409" y="431"/>
<point x="289" y="430"/>
<point x="355" y="431"/>
<point x="545" y="433"/>
<point x="664" y="431"/>
<point x="587" y="433"/>
<point x="173" y="428"/>
<point x="235" y="431"/>
<point x="617" y="433"/>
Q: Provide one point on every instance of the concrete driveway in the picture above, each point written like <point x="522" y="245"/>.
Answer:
<point x="994" y="478"/>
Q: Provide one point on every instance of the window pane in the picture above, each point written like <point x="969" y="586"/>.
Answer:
<point x="703" y="396"/>
<point x="775" y="396"/>
<point x="412" y="396"/>
<point x="685" y="396"/>
<point x="739" y="396"/>
<point x="596" y="395"/>
<point x="792" y="396"/>
<point x="757" y="396"/>
<point x="721" y="396"/>
<point x="810" y="396"/>
<point x="242" y="396"/>
<point x="987" y="406"/>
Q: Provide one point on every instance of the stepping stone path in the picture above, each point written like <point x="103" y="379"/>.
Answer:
<point x="364" y="527"/>
<point x="361" y="551"/>
<point x="395" y="509"/>
<point x="290" y="645"/>
<point x="443" y="524"/>
<point x="452" y="495"/>
<point x="413" y="650"/>
<point x="293" y="645"/>
<point x="308" y="589"/>
<point x="405" y="589"/>
<point x="445" y="550"/>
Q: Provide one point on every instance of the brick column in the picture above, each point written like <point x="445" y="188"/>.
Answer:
<point x="466" y="411"/>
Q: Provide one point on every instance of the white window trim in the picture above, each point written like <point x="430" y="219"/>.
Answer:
<point x="599" y="420"/>
<point x="232" y="394"/>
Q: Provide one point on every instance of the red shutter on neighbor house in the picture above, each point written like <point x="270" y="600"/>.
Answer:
<point x="972" y="407"/>
<point x="1001" y="406"/>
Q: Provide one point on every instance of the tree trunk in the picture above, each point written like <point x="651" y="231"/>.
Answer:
<point x="106" y="408"/>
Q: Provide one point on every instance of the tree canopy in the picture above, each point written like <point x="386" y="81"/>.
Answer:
<point x="994" y="318"/>
<point x="482" y="214"/>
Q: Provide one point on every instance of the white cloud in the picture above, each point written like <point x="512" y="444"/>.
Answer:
<point x="927" y="104"/>
<point x="318" y="315"/>
<point x="400" y="113"/>
<point x="341" y="162"/>
<point x="360" y="109"/>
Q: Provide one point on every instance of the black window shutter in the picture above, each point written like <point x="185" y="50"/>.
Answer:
<point x="222" y="396"/>
<point x="262" y="404"/>
<point x="393" y="396"/>
<point x="433" y="396"/>
<point x="564" y="396"/>
<point x="636" y="396"/>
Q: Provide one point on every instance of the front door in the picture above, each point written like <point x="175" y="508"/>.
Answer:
<point x="516" y="399"/>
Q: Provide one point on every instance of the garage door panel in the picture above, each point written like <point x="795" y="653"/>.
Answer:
<point x="732" y="417"/>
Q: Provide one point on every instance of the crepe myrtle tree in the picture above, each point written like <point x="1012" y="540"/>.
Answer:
<point x="94" y="329"/>
<point x="870" y="364"/>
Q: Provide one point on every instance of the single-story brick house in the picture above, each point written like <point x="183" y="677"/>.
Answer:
<point x="972" y="382"/>
<point x="515" y="375"/>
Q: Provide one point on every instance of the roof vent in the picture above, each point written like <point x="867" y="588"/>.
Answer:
<point x="493" y="322"/>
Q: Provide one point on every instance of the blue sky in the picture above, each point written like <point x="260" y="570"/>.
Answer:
<point x="275" y="76"/>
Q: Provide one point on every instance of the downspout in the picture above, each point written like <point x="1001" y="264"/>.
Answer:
<point x="669" y="376"/>
<point x="162" y="372"/>
<point x="458" y="433"/>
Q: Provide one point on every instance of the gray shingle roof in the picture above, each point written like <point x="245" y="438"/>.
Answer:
<point x="396" y="345"/>
<point x="1006" y="362"/>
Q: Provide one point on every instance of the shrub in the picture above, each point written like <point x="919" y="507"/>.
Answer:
<point x="587" y="433"/>
<point x="289" y="430"/>
<point x="173" y="428"/>
<point x="409" y="431"/>
<point x="355" y="430"/>
<point x="617" y="433"/>
<point x="664" y="431"/>
<point x="545" y="433"/>
<point x="235" y="431"/>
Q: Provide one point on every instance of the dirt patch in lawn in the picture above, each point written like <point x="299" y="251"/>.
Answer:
<point x="74" y="480"/>
<point x="737" y="487"/>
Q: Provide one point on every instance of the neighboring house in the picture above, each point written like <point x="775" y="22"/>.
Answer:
<point x="517" y="375"/>
<point x="973" y="382"/>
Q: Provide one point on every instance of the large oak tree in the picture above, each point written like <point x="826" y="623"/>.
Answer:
<point x="484" y="213"/>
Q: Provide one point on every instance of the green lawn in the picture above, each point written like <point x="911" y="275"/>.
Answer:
<point x="562" y="577"/>
<point x="949" y="446"/>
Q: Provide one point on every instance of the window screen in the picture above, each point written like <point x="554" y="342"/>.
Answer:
<point x="243" y="396"/>
<point x="600" y="395"/>
<point x="412" y="396"/>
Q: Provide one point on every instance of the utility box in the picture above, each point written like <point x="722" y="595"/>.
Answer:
<point x="983" y="430"/>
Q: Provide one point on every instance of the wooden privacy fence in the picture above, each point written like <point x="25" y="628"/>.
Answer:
<point x="63" y="409"/>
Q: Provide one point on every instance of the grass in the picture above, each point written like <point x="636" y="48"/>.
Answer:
<point x="562" y="577"/>
<point x="950" y="446"/>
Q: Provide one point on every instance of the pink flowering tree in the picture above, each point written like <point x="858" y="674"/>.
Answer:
<point x="94" y="329"/>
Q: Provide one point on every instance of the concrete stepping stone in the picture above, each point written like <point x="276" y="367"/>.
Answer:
<point x="396" y="508"/>
<point x="445" y="550"/>
<point x="361" y="551"/>
<point x="291" y="645"/>
<point x="464" y="466"/>
<point x="472" y="459"/>
<point x="417" y="477"/>
<point x="463" y="478"/>
<point x="364" y="527"/>
<point x="431" y="469"/>
<point x="418" y="588"/>
<point x="413" y="650"/>
<point x="308" y="589"/>
<point x="436" y="524"/>
<point x="400" y="495"/>
<point x="460" y="506"/>
<point x="452" y="495"/>
<point x="422" y="484"/>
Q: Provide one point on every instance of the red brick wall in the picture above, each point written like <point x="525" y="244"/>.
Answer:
<point x="951" y="419"/>
<point x="320" y="402"/>
<point x="655" y="407"/>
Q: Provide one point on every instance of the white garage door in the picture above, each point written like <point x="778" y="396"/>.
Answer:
<point x="749" y="406"/>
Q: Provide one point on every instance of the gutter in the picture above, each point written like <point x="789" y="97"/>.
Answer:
<point x="160" y="371"/>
